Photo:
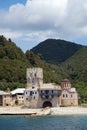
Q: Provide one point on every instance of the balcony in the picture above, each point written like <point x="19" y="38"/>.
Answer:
<point x="47" y="96"/>
<point x="49" y="93"/>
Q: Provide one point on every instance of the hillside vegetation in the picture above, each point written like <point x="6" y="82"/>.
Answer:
<point x="56" y="51"/>
<point x="14" y="62"/>
<point x="75" y="68"/>
<point x="71" y="59"/>
<point x="13" y="65"/>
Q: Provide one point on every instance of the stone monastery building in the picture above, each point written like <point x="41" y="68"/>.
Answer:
<point x="38" y="95"/>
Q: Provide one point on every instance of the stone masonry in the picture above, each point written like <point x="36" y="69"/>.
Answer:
<point x="38" y="95"/>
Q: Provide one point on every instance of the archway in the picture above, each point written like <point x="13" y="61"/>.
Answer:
<point x="47" y="104"/>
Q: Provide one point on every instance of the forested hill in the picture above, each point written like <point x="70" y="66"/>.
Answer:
<point x="76" y="69"/>
<point x="14" y="62"/>
<point x="8" y="49"/>
<point x="71" y="59"/>
<point x="56" y="51"/>
<point x="76" y="66"/>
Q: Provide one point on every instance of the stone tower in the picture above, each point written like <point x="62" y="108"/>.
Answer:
<point x="66" y="84"/>
<point x="34" y="78"/>
<point x="34" y="82"/>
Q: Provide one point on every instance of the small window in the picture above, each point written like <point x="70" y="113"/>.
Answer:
<point x="26" y="98"/>
<point x="35" y="75"/>
<point x="66" y="95"/>
<point x="33" y="87"/>
<point x="47" y="91"/>
<point x="35" y="92"/>
<point x="47" y="96"/>
<point x="71" y="96"/>
<point x="63" y="95"/>
<point x="30" y="93"/>
<point x="5" y="96"/>
<point x="34" y="97"/>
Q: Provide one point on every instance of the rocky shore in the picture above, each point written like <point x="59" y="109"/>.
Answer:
<point x="41" y="112"/>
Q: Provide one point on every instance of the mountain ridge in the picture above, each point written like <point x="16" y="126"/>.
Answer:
<point x="56" y="51"/>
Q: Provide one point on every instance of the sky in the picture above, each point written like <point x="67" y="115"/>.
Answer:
<point x="29" y="22"/>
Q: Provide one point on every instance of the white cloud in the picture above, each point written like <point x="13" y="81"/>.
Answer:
<point x="41" y="19"/>
<point x="10" y="34"/>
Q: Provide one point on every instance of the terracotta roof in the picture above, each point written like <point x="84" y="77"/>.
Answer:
<point x="65" y="80"/>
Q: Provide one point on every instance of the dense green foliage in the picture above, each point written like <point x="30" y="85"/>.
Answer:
<point x="13" y="65"/>
<point x="9" y="50"/>
<point x="76" y="66"/>
<point x="82" y="91"/>
<point x="56" y="51"/>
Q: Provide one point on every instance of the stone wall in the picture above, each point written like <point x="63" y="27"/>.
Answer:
<point x="69" y="99"/>
<point x="34" y="77"/>
<point x="55" y="101"/>
<point x="7" y="100"/>
<point x="32" y="97"/>
<point x="31" y="101"/>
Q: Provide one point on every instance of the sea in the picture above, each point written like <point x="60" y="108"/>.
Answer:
<point x="70" y="122"/>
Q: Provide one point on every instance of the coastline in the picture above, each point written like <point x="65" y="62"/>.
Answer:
<point x="17" y="111"/>
<point x="69" y="111"/>
<point x="46" y="111"/>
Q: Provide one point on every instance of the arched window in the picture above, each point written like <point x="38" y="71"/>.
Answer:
<point x="63" y="95"/>
<point x="66" y="95"/>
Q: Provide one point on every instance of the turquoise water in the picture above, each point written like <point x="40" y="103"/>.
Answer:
<point x="43" y="123"/>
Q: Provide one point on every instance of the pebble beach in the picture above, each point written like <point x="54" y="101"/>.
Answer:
<point x="68" y="110"/>
<point x="53" y="111"/>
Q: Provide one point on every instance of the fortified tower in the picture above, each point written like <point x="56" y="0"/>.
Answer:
<point x="34" y="78"/>
<point x="34" y="83"/>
